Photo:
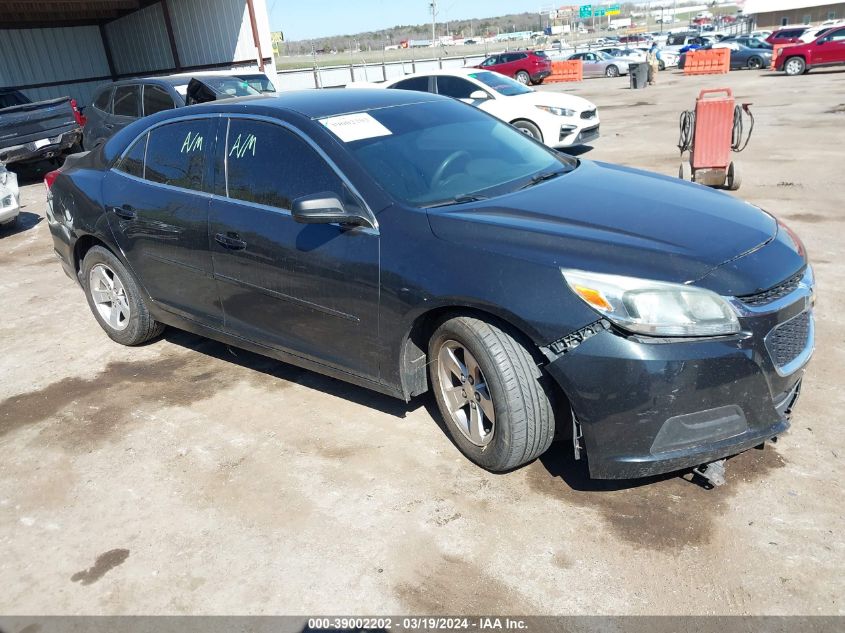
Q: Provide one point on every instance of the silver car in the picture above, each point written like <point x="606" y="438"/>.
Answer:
<point x="597" y="63"/>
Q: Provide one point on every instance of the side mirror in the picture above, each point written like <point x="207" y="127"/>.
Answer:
<point x="478" y="95"/>
<point x="326" y="208"/>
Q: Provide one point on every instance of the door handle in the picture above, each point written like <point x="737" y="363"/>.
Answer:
<point x="108" y="126"/>
<point x="232" y="241"/>
<point x="126" y="212"/>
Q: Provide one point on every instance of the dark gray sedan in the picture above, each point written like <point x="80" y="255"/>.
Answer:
<point x="743" y="57"/>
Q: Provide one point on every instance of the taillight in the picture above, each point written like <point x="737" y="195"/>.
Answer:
<point x="80" y="118"/>
<point x="50" y="178"/>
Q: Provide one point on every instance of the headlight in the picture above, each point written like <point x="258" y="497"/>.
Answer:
<point x="655" y="308"/>
<point x="557" y="111"/>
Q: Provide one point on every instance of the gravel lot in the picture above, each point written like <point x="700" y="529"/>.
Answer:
<point x="188" y="477"/>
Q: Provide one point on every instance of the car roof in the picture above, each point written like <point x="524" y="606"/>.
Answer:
<point x="171" y="80"/>
<point x="316" y="104"/>
<point x="449" y="72"/>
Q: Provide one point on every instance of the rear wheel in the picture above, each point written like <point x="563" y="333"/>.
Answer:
<point x="115" y="299"/>
<point x="755" y="63"/>
<point x="612" y="71"/>
<point x="494" y="399"/>
<point x="529" y="129"/>
<point x="522" y="77"/>
<point x="794" y="66"/>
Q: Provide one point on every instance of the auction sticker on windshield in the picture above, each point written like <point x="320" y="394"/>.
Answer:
<point x="355" y="127"/>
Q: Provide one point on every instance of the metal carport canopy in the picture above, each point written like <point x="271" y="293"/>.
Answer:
<point x="56" y="47"/>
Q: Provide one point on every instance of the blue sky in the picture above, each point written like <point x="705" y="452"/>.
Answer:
<point x="304" y="20"/>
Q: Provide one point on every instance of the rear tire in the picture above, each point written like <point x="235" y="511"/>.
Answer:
<point x="794" y="66"/>
<point x="496" y="402"/>
<point x="523" y="77"/>
<point x="115" y="299"/>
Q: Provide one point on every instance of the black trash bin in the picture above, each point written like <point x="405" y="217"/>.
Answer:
<point x="639" y="75"/>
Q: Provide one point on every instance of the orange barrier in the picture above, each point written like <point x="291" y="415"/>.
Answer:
<point x="569" y="70"/>
<point x="776" y="49"/>
<point x="714" y="61"/>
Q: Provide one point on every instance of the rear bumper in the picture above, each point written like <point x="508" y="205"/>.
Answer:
<point x="647" y="406"/>
<point x="35" y="150"/>
<point x="539" y="76"/>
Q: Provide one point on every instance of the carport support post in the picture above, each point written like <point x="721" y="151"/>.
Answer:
<point x="107" y="49"/>
<point x="168" y="26"/>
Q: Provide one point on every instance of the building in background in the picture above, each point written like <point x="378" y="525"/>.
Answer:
<point x="770" y="14"/>
<point x="70" y="48"/>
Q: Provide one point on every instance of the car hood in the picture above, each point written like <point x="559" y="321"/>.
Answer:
<point x="613" y="219"/>
<point x="559" y="100"/>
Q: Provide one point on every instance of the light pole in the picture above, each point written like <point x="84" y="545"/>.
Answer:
<point x="433" y="7"/>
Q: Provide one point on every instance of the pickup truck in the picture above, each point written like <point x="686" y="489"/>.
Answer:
<point x="35" y="131"/>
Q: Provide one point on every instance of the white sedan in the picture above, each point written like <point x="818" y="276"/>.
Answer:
<point x="9" y="202"/>
<point x="556" y="119"/>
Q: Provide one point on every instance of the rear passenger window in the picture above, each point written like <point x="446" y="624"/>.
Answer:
<point x="415" y="83"/>
<point x="102" y="101"/>
<point x="127" y="101"/>
<point x="269" y="165"/>
<point x="176" y="153"/>
<point x="132" y="162"/>
<point x="455" y="87"/>
<point x="156" y="100"/>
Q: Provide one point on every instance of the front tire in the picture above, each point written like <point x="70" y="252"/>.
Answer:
<point x="496" y="402"/>
<point x="522" y="77"/>
<point x="529" y="129"/>
<point x="794" y="66"/>
<point x="755" y="63"/>
<point x="612" y="71"/>
<point x="115" y="299"/>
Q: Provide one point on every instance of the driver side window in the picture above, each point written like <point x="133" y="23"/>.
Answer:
<point x="490" y="61"/>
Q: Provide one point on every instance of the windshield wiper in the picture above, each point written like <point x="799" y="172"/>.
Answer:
<point x="461" y="199"/>
<point x="546" y="175"/>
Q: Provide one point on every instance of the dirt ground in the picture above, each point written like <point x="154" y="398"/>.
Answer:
<point x="188" y="477"/>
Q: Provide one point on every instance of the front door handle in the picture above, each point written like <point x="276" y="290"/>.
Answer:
<point x="232" y="241"/>
<point x="126" y="212"/>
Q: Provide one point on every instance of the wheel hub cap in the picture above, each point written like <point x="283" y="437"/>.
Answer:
<point x="464" y="390"/>
<point x="109" y="296"/>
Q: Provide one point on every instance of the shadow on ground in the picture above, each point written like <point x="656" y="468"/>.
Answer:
<point x="25" y="221"/>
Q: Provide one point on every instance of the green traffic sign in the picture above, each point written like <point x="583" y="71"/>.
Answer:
<point x="585" y="10"/>
<point x="599" y="12"/>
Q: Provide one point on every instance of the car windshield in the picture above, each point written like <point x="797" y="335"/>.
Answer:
<point x="602" y="56"/>
<point x="260" y="83"/>
<point x="431" y="153"/>
<point x="501" y="84"/>
<point x="229" y="86"/>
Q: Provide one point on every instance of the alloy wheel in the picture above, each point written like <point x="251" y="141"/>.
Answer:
<point x="465" y="392"/>
<point x="794" y="67"/>
<point x="109" y="296"/>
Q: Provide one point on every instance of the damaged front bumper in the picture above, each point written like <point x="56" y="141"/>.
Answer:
<point x="648" y="406"/>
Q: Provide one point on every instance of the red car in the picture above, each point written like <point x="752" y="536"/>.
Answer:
<point x="788" y="35"/>
<point x="826" y="50"/>
<point x="527" y="67"/>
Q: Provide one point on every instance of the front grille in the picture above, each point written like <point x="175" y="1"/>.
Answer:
<point x="589" y="114"/>
<point x="788" y="340"/>
<point x="773" y="294"/>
